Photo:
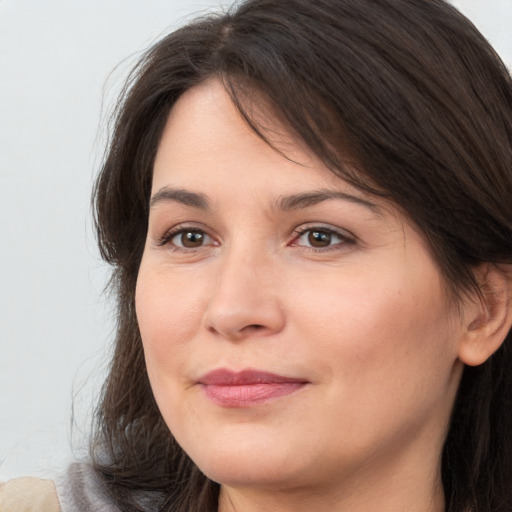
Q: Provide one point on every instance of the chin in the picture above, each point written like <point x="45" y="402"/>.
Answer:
<point x="248" y="473"/>
<point x="263" y="463"/>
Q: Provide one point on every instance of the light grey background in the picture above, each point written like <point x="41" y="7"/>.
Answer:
<point x="56" y="82"/>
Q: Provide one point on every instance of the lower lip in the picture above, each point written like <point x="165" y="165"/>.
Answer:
<point x="247" y="395"/>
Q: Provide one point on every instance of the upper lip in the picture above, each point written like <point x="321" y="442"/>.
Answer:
<point x="226" y="377"/>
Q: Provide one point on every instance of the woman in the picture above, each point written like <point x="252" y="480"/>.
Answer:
<point x="307" y="209"/>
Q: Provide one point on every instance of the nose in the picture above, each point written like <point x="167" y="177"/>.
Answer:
<point x="245" y="302"/>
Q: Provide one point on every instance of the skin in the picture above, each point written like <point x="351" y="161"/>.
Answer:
<point x="364" y="319"/>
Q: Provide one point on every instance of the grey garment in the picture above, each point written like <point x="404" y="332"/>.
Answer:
<point x="81" y="490"/>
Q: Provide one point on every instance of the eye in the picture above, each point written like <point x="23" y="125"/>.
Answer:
<point x="320" y="238"/>
<point x="190" y="239"/>
<point x="186" y="238"/>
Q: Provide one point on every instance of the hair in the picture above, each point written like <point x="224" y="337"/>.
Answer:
<point x="401" y="98"/>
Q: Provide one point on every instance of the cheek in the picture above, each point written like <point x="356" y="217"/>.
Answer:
<point x="381" y="330"/>
<point x="385" y="351"/>
<point x="169" y="316"/>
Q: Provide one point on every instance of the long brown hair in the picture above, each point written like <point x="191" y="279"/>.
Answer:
<point x="414" y="98"/>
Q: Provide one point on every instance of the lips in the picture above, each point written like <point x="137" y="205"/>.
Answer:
<point x="247" y="388"/>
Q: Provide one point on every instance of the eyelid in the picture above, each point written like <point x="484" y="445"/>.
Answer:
<point x="168" y="235"/>
<point x="346" y="236"/>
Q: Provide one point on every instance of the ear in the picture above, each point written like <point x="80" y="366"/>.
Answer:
<point x="488" y="317"/>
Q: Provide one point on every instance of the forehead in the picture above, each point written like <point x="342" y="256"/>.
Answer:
<point x="206" y="140"/>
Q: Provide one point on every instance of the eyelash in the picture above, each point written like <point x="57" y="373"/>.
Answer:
<point x="344" y="238"/>
<point x="178" y="230"/>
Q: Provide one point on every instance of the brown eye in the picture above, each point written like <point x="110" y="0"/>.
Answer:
<point x="319" y="238"/>
<point x="322" y="238"/>
<point x="190" y="239"/>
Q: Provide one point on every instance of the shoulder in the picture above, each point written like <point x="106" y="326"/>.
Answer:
<point x="29" y="494"/>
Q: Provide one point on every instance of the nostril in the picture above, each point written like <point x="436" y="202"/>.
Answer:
<point x="254" y="327"/>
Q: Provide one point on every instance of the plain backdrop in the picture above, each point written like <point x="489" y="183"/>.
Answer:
<point x="61" y="64"/>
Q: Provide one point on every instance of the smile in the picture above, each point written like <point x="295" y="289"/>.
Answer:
<point x="247" y="388"/>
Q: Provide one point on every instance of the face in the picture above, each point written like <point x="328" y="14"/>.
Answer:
<point x="296" y="331"/>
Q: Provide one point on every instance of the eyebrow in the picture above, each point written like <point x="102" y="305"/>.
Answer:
<point x="284" y="203"/>
<point x="178" y="195"/>
<point x="306" y="199"/>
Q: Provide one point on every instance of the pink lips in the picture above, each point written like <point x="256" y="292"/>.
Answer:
<point x="249" y="387"/>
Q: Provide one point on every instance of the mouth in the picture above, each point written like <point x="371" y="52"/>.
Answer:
<point x="248" y="387"/>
